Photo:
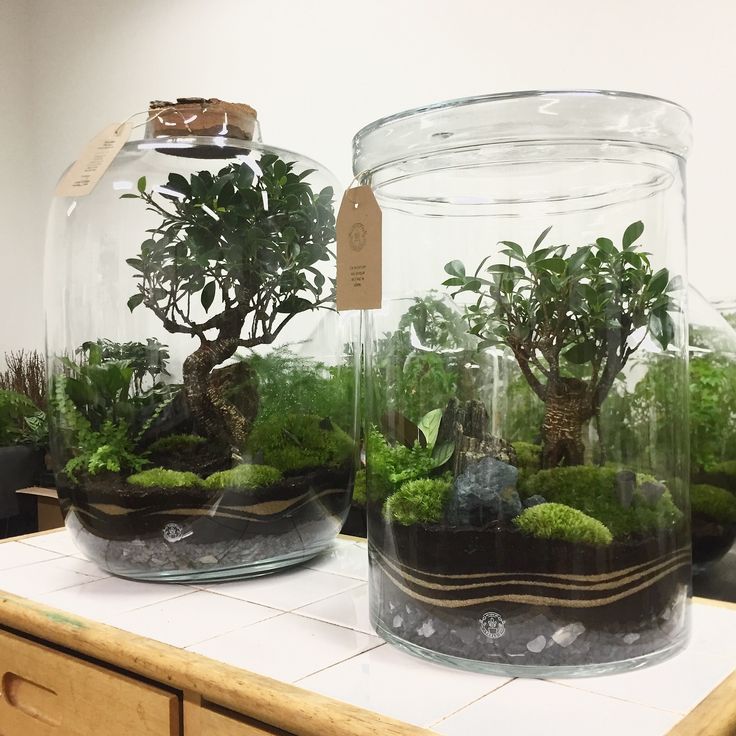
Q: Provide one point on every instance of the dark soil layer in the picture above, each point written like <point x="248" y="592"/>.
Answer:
<point x="711" y="540"/>
<point x="111" y="508"/>
<point x="561" y="604"/>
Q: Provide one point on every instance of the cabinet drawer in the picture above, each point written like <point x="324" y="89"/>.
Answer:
<point x="212" y="720"/>
<point x="48" y="693"/>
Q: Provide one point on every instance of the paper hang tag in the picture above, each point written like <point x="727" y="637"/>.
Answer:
<point x="82" y="176"/>
<point x="359" y="259"/>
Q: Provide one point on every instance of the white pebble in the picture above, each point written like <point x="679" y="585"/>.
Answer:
<point x="631" y="638"/>
<point x="398" y="621"/>
<point x="426" y="629"/>
<point x="536" y="645"/>
<point x="567" y="634"/>
<point x="208" y="560"/>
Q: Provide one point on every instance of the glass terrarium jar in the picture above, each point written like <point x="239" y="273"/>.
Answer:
<point x="712" y="432"/>
<point x="515" y="523"/>
<point x="203" y="405"/>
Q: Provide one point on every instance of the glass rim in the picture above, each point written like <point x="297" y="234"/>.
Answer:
<point x="458" y="102"/>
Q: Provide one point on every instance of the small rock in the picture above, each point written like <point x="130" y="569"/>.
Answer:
<point x="397" y="621"/>
<point x="426" y="629"/>
<point x="631" y="638"/>
<point x="625" y="485"/>
<point x="567" y="634"/>
<point x="534" y="500"/>
<point x="208" y="560"/>
<point x="651" y="492"/>
<point x="536" y="645"/>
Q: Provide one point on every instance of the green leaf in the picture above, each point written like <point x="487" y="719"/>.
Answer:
<point x="632" y="233"/>
<point x="455" y="268"/>
<point x="141" y="184"/>
<point x="134" y="301"/>
<point x="129" y="196"/>
<point x="429" y="426"/>
<point x="581" y="352"/>
<point x="658" y="282"/>
<point x="539" y="240"/>
<point x="606" y="246"/>
<point x="208" y="295"/>
<point x="442" y="453"/>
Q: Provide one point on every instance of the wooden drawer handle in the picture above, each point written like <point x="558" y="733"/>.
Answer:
<point x="34" y="700"/>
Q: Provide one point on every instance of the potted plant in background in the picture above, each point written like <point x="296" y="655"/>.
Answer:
<point x="23" y="437"/>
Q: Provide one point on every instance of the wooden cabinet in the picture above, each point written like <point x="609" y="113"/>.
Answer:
<point x="207" y="719"/>
<point x="45" y="692"/>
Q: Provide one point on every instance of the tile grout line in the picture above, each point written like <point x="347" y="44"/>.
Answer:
<point x="473" y="702"/>
<point x="381" y="643"/>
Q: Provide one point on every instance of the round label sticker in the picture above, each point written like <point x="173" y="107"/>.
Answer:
<point x="173" y="532"/>
<point x="492" y="625"/>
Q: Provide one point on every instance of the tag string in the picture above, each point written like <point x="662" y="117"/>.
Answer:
<point x="355" y="180"/>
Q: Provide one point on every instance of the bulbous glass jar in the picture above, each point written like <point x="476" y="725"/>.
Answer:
<point x="518" y="523"/>
<point x="203" y="388"/>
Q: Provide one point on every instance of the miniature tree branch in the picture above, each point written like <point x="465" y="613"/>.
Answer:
<point x="247" y="246"/>
<point x="559" y="313"/>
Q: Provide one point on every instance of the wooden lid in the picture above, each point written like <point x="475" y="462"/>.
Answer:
<point x="202" y="117"/>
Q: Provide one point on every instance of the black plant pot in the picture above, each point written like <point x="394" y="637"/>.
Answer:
<point x="20" y="467"/>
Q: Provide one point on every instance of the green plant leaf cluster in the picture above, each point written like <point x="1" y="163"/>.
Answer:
<point x="244" y="476"/>
<point x="558" y="521"/>
<point x="295" y="442"/>
<point x="714" y="503"/>
<point x="164" y="478"/>
<point x="21" y="421"/>
<point x="390" y="466"/>
<point x="528" y="460"/>
<point x="419" y="501"/>
<point x="360" y="488"/>
<point x="592" y="490"/>
<point x="235" y="244"/>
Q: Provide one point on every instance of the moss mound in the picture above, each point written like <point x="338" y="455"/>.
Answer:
<point x="244" y="476"/>
<point x="176" y="443"/>
<point x="727" y="467"/>
<point x="557" y="521"/>
<point x="528" y="460"/>
<point x="296" y="442"/>
<point x="592" y="490"/>
<point x="714" y="503"/>
<point x="360" y="488"/>
<point x="164" y="478"/>
<point x="419" y="501"/>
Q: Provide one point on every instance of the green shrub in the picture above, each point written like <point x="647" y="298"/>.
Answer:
<point x="715" y="503"/>
<point x="360" y="488"/>
<point x="528" y="460"/>
<point x="244" y="476"/>
<point x="727" y="467"/>
<point x="19" y="419"/>
<point x="557" y="521"/>
<point x="592" y="490"/>
<point x="164" y="478"/>
<point x="110" y="449"/>
<point x="176" y="443"/>
<point x="294" y="442"/>
<point x="389" y="466"/>
<point x="419" y="501"/>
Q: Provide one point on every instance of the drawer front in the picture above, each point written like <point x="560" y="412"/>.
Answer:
<point x="215" y="721"/>
<point x="47" y="693"/>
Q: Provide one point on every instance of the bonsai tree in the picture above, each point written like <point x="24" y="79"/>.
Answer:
<point x="232" y="261"/>
<point x="572" y="319"/>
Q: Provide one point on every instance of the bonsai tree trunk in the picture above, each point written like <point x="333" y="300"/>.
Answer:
<point x="215" y="415"/>
<point x="567" y="408"/>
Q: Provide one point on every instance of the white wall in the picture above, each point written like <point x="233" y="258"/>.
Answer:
<point x="21" y="203"/>
<point x="317" y="71"/>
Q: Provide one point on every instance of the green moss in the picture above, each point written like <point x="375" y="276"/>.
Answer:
<point x="360" y="488"/>
<point x="418" y="501"/>
<point x="176" y="443"/>
<point x="390" y="466"/>
<point x="164" y="478"/>
<point x="295" y="442"/>
<point x="244" y="476"/>
<point x="715" y="503"/>
<point x="557" y="521"/>
<point x="727" y="467"/>
<point x="592" y="490"/>
<point x="528" y="460"/>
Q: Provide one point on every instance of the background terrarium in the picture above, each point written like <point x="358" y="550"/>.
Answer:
<point x="514" y="525"/>
<point x="202" y="385"/>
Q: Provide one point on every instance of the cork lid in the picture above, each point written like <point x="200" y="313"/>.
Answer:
<point x="202" y="117"/>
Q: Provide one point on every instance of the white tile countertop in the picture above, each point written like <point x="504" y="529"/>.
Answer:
<point x="310" y="627"/>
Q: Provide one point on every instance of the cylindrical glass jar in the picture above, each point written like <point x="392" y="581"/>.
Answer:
<point x="203" y="406"/>
<point x="515" y="524"/>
